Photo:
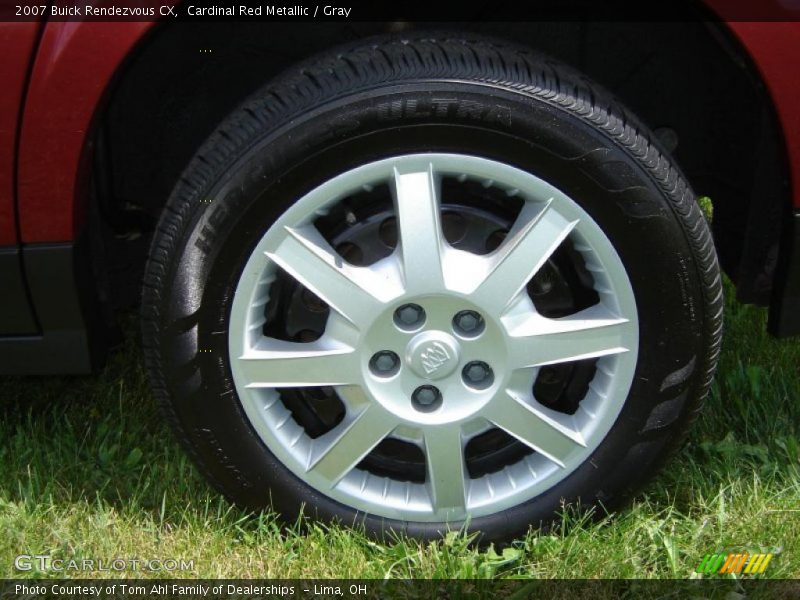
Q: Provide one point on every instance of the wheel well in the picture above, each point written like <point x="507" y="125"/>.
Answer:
<point x="690" y="82"/>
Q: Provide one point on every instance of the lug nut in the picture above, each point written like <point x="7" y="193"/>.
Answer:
<point x="468" y="323"/>
<point x="384" y="363"/>
<point x="426" y="397"/>
<point x="409" y="316"/>
<point x="477" y="374"/>
<point x="313" y="302"/>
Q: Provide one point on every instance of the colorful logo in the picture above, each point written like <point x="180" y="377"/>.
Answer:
<point x="743" y="562"/>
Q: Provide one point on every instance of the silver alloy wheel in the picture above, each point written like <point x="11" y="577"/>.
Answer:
<point x="511" y="344"/>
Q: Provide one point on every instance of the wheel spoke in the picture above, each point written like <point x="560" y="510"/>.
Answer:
<point x="290" y="364"/>
<point x="536" y="235"/>
<point x="356" y="293"/>
<point x="338" y="451"/>
<point x="419" y="227"/>
<point x="590" y="333"/>
<point x="447" y="473"/>
<point x="537" y="427"/>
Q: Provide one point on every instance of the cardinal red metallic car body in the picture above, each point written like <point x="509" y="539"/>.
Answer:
<point x="53" y="148"/>
<point x="56" y="79"/>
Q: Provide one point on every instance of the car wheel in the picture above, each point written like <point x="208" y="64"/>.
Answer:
<point x="422" y="283"/>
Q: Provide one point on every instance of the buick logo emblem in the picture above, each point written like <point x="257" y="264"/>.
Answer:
<point x="433" y="357"/>
<point x="433" y="354"/>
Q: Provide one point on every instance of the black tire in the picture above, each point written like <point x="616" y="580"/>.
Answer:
<point x="435" y="93"/>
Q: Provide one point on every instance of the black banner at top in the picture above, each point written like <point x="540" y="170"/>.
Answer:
<point x="408" y="10"/>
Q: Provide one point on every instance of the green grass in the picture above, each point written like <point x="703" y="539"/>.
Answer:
<point x="87" y="470"/>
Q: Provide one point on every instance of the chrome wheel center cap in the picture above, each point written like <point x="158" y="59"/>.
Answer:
<point x="433" y="354"/>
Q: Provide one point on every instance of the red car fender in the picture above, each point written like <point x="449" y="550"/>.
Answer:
<point x="17" y="45"/>
<point x="775" y="49"/>
<point x="74" y="65"/>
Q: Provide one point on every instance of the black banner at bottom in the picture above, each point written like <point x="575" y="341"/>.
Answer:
<point x="513" y="589"/>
